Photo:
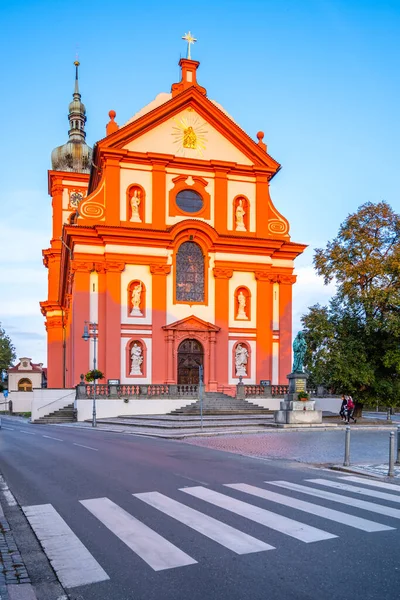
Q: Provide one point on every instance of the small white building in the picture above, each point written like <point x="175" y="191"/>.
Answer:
<point x="26" y="376"/>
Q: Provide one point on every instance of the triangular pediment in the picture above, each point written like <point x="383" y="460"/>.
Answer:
<point x="191" y="323"/>
<point x="193" y="127"/>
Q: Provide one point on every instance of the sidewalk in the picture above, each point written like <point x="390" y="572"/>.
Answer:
<point x="14" y="580"/>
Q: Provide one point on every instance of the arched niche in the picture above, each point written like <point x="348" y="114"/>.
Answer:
<point x="242" y="304"/>
<point x="241" y="213"/>
<point x="135" y="203"/>
<point x="241" y="360"/>
<point x="136" y="302"/>
<point x="24" y="385"/>
<point x="136" y="358"/>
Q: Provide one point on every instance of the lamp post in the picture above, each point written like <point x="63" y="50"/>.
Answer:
<point x="90" y="332"/>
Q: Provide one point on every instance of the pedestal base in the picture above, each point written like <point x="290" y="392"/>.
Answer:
<point x="296" y="417"/>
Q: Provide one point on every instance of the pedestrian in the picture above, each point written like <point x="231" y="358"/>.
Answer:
<point x="350" y="410"/>
<point x="343" y="408"/>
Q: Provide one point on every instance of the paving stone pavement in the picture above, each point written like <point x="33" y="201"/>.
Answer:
<point x="12" y="568"/>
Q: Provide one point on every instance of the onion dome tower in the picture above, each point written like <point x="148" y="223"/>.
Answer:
<point x="75" y="155"/>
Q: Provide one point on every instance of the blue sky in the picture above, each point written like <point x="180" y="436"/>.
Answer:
<point x="319" y="77"/>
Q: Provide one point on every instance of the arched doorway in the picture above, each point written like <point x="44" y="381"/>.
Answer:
<point x="190" y="358"/>
<point x="25" y="385"/>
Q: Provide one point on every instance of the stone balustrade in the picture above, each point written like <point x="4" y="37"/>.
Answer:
<point x="86" y="390"/>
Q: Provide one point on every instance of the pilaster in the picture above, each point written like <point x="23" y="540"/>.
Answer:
<point x="285" y="326"/>
<point x="162" y="362"/>
<point x="80" y="314"/>
<point x="112" y="333"/>
<point x="222" y="276"/>
<point x="264" y="325"/>
<point x="158" y="194"/>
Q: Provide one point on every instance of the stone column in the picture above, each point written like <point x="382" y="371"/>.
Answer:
<point x="169" y="338"/>
<point x="212" y="382"/>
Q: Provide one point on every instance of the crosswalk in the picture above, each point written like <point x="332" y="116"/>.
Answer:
<point x="76" y="564"/>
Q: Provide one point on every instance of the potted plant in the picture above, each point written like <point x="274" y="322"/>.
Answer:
<point x="303" y="396"/>
<point x="93" y="374"/>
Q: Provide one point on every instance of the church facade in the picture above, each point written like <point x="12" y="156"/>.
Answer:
<point x="165" y="236"/>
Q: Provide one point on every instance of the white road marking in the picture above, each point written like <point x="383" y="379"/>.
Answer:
<point x="11" y="501"/>
<point x="300" y="531"/>
<point x="27" y="432"/>
<point x="70" y="559"/>
<point x="223" y="534"/>
<point x="88" y="447"/>
<point x="52" y="438"/>
<point x="356" y="490"/>
<point x="155" y="550"/>
<point x="354" y="502"/>
<point x="9" y="428"/>
<point x="309" y="507"/>
<point x="373" y="483"/>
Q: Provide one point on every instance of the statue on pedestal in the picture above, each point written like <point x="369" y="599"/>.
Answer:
<point x="136" y="359"/>
<point x="135" y="299"/>
<point x="241" y="314"/>
<point x="299" y="352"/>
<point x="241" y="357"/>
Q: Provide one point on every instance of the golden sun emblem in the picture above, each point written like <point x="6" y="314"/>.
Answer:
<point x="190" y="134"/>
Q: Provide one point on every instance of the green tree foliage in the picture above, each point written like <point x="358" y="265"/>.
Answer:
<point x="7" y="351"/>
<point x="354" y="343"/>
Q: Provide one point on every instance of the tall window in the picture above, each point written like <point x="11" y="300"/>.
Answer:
<point x="189" y="273"/>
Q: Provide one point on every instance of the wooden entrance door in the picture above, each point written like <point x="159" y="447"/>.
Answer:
<point x="190" y="358"/>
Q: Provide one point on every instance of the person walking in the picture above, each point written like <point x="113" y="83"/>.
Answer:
<point x="343" y="407"/>
<point x="350" y="410"/>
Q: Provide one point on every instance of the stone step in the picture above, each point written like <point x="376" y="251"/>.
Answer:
<point x="194" y="424"/>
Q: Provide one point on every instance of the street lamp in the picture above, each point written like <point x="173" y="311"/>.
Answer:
<point x="90" y="332"/>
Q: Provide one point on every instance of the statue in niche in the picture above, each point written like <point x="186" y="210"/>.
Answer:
<point x="136" y="297"/>
<point x="135" y="203"/>
<point x="239" y="214"/>
<point x="241" y="358"/>
<point x="136" y="359"/>
<point x="241" y="313"/>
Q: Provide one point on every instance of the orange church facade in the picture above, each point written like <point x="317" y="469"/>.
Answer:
<point x="168" y="240"/>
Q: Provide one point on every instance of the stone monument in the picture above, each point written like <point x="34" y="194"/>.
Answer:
<point x="294" y="412"/>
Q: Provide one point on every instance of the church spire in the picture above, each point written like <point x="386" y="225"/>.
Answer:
<point x="77" y="112"/>
<point x="75" y="155"/>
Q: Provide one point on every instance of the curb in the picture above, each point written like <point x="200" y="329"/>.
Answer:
<point x="355" y="471"/>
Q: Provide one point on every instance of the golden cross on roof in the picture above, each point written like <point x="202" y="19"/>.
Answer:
<point x="190" y="40"/>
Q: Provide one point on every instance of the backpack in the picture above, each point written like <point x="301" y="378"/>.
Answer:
<point x="350" y="403"/>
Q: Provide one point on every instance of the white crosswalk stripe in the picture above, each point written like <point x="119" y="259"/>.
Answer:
<point x="76" y="566"/>
<point x="155" y="550"/>
<point x="373" y="483"/>
<point x="70" y="559"/>
<point x="354" y="502"/>
<point x="309" y="507"/>
<point x="355" y="490"/>
<point x="227" y="536"/>
<point x="300" y="531"/>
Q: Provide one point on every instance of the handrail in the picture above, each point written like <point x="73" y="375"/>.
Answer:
<point x="56" y="400"/>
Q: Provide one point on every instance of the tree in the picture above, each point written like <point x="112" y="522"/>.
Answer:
<point x="7" y="351"/>
<point x="354" y="343"/>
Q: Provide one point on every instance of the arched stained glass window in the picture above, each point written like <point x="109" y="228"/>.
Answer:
<point x="189" y="273"/>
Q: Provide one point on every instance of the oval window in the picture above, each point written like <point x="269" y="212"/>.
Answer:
<point x="189" y="201"/>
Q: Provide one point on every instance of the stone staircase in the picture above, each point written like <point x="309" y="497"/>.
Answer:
<point x="63" y="415"/>
<point x="215" y="403"/>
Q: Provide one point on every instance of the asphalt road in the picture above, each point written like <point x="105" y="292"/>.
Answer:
<point x="156" y="556"/>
